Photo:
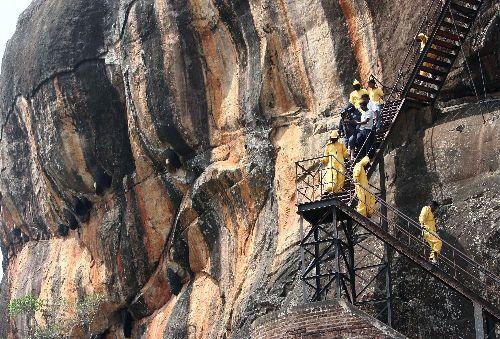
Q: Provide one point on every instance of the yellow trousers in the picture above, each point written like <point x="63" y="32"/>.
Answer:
<point x="434" y="242"/>
<point x="366" y="202"/>
<point x="333" y="180"/>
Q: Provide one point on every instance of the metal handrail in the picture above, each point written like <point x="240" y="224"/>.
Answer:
<point x="421" y="55"/>
<point x="415" y="226"/>
<point x="374" y="131"/>
<point x="411" y="44"/>
<point x="427" y="47"/>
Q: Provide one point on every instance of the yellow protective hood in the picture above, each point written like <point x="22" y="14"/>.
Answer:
<point x="364" y="161"/>
<point x="422" y="37"/>
<point x="334" y="134"/>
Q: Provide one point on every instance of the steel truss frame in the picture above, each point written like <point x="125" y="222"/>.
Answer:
<point x="341" y="260"/>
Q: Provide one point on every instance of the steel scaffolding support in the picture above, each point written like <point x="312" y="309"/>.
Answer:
<point x="339" y="260"/>
<point x="387" y="249"/>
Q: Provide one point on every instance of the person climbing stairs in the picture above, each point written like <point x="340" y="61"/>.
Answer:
<point x="326" y="216"/>
<point x="437" y="57"/>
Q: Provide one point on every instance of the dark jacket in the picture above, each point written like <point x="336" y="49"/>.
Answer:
<point x="347" y="128"/>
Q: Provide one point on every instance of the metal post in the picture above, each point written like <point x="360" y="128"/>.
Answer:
<point x="490" y="328"/>
<point x="337" y="254"/>
<point x="478" y="321"/>
<point x="387" y="256"/>
<point x="317" y="255"/>
<point x="352" y="271"/>
<point x="302" y="260"/>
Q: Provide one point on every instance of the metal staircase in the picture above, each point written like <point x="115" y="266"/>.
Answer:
<point x="333" y="249"/>
<point x="423" y="73"/>
<point x="441" y="50"/>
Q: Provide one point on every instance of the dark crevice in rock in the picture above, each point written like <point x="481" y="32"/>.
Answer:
<point x="103" y="181"/>
<point x="128" y="323"/>
<point x="70" y="219"/>
<point x="173" y="159"/>
<point x="174" y="281"/>
<point x="82" y="207"/>
<point x="62" y="230"/>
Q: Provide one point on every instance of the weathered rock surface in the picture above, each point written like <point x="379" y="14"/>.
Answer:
<point x="166" y="132"/>
<point x="455" y="162"/>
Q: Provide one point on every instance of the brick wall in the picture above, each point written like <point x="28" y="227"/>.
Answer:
<point x="332" y="319"/>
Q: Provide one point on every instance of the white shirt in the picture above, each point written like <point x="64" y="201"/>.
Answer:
<point x="372" y="106"/>
<point x="366" y="115"/>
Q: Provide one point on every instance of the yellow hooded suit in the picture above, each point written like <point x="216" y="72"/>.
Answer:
<point x="366" y="200"/>
<point x="428" y="222"/>
<point x="333" y="159"/>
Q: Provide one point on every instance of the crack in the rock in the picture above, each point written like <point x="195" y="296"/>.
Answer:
<point x="9" y="113"/>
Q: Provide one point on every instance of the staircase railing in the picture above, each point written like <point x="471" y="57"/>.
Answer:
<point x="423" y="53"/>
<point x="311" y="183"/>
<point x="453" y="261"/>
<point x="373" y="133"/>
<point x="413" y="51"/>
<point x="414" y="57"/>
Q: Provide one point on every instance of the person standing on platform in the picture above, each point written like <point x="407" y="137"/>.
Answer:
<point x="333" y="160"/>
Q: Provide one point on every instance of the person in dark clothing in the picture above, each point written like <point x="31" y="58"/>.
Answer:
<point x="348" y="129"/>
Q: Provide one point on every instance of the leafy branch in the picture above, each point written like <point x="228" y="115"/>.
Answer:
<point x="60" y="317"/>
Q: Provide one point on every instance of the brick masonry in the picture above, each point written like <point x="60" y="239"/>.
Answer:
<point x="331" y="319"/>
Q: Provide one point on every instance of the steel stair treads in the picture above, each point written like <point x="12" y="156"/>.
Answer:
<point x="455" y="28"/>
<point x="441" y="53"/>
<point x="449" y="35"/>
<point x="463" y="10"/>
<point x="455" y="16"/>
<point x="424" y="89"/>
<point x="437" y="62"/>
<point x="433" y="71"/>
<point x="471" y="2"/>
<point x="428" y="80"/>
<point x="445" y="44"/>
<point x="419" y="97"/>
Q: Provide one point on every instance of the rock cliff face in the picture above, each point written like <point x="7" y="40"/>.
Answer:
<point x="147" y="155"/>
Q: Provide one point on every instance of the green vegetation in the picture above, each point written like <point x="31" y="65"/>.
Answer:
<point x="24" y="305"/>
<point x="60" y="317"/>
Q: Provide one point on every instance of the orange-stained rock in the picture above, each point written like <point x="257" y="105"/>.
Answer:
<point x="190" y="115"/>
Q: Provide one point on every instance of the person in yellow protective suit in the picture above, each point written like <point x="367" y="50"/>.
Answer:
<point x="355" y="96"/>
<point x="376" y="101"/>
<point x="333" y="160"/>
<point x="428" y="224"/>
<point x="366" y="200"/>
<point x="423" y="41"/>
<point x="376" y="93"/>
